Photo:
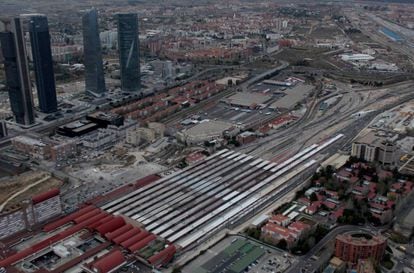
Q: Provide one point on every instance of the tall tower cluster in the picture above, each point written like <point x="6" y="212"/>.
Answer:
<point x="128" y="50"/>
<point x="16" y="66"/>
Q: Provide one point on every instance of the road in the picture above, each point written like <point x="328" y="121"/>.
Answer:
<point x="305" y="261"/>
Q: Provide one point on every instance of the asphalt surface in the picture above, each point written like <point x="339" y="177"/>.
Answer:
<point x="306" y="261"/>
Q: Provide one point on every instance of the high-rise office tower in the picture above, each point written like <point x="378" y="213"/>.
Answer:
<point x="43" y="64"/>
<point x="17" y="72"/>
<point x="92" y="53"/>
<point x="128" y="44"/>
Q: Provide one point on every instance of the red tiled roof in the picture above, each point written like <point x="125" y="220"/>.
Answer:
<point x="344" y="173"/>
<point x="377" y="206"/>
<point x="337" y="213"/>
<point x="314" y="206"/>
<point x="304" y="200"/>
<point x="390" y="204"/>
<point x="278" y="218"/>
<point x="371" y="195"/>
<point x="329" y="204"/>
<point x="331" y="193"/>
<point x="273" y="228"/>
<point x="397" y="186"/>
<point x="298" y="226"/>
<point x="367" y="177"/>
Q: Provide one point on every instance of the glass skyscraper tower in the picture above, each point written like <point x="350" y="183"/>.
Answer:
<point x="128" y="44"/>
<point x="17" y="72"/>
<point x="94" y="74"/>
<point x="43" y="64"/>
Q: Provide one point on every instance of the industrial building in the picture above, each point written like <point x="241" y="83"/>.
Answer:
<point x="357" y="57"/>
<point x="292" y="96"/>
<point x="189" y="204"/>
<point x="106" y="119"/>
<point x="156" y="217"/>
<point x="247" y="100"/>
<point x="77" y="128"/>
<point x="207" y="131"/>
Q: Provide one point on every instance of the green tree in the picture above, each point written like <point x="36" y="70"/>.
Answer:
<point x="282" y="244"/>
<point x="313" y="197"/>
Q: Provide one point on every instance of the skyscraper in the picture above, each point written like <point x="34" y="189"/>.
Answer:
<point x="43" y="64"/>
<point x="128" y="44"/>
<point x="94" y="74"/>
<point x="17" y="72"/>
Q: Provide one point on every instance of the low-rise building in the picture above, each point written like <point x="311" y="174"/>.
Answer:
<point x="246" y="137"/>
<point x="136" y="136"/>
<point x="158" y="128"/>
<point x="35" y="147"/>
<point x="45" y="148"/>
<point x="63" y="151"/>
<point x="280" y="220"/>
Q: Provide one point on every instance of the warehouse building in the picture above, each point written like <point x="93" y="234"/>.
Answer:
<point x="247" y="99"/>
<point x="207" y="131"/>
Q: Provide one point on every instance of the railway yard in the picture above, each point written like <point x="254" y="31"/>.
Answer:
<point x="203" y="158"/>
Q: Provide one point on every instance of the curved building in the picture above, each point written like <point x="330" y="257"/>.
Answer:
<point x="351" y="247"/>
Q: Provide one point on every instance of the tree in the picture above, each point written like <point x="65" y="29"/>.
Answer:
<point x="176" y="270"/>
<point x="282" y="244"/>
<point x="311" y="241"/>
<point x="329" y="170"/>
<point x="313" y="197"/>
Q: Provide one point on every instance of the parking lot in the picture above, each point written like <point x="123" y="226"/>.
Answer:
<point x="236" y="254"/>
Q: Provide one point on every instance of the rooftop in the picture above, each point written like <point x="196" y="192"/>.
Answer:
<point x="247" y="99"/>
<point x="293" y="96"/>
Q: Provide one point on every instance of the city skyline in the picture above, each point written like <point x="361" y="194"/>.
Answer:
<point x="206" y="136"/>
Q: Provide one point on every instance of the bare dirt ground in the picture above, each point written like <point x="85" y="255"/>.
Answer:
<point x="10" y="186"/>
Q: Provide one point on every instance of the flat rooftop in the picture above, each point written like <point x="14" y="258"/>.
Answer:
<point x="247" y="99"/>
<point x="293" y="96"/>
<point x="188" y="205"/>
<point x="208" y="128"/>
